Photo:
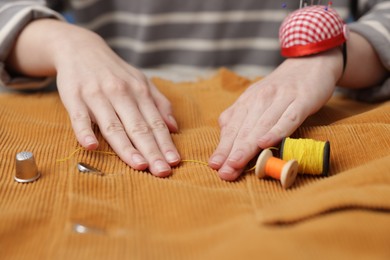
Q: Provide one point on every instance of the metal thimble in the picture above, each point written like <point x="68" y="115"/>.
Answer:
<point x="26" y="168"/>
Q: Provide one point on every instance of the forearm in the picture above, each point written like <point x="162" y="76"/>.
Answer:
<point x="42" y="43"/>
<point x="364" y="68"/>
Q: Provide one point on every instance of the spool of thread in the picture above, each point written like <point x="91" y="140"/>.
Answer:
<point x="267" y="165"/>
<point x="312" y="156"/>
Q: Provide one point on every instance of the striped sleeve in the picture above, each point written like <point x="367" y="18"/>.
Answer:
<point x="14" y="16"/>
<point x="375" y="27"/>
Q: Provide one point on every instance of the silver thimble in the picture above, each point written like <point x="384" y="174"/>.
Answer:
<point x="26" y="168"/>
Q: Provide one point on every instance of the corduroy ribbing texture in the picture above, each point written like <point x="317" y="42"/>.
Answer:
<point x="193" y="214"/>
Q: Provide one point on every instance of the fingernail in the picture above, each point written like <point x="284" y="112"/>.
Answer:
<point x="138" y="159"/>
<point x="171" y="157"/>
<point x="161" y="166"/>
<point x="217" y="160"/>
<point x="236" y="156"/>
<point x="173" y="121"/>
<point x="90" y="140"/>
<point x="226" y="170"/>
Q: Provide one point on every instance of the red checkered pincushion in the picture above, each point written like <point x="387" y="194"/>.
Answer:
<point x="311" y="30"/>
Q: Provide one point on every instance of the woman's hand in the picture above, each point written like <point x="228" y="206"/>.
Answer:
<point x="97" y="86"/>
<point x="274" y="108"/>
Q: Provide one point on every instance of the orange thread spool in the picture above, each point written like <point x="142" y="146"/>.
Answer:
<point x="267" y="165"/>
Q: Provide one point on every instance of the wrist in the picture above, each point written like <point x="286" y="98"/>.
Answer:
<point x="328" y="64"/>
<point x="334" y="62"/>
<point x="340" y="61"/>
<point x="30" y="54"/>
<point x="300" y="35"/>
<point x="46" y="43"/>
<point x="69" y="41"/>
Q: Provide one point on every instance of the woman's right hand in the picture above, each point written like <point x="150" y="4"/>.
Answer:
<point x="97" y="86"/>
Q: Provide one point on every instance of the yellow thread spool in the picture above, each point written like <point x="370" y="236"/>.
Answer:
<point x="267" y="165"/>
<point x="312" y="156"/>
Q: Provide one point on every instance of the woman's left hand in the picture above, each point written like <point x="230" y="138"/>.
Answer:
<point x="274" y="108"/>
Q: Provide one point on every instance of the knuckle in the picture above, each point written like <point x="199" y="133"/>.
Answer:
<point x="79" y="117"/>
<point x="165" y="104"/>
<point x="221" y="121"/>
<point x="119" y="86"/>
<point x="269" y="90"/>
<point x="229" y="131"/>
<point x="158" y="124"/>
<point x="138" y="75"/>
<point x="140" y="86"/>
<point x="93" y="92"/>
<point x="113" y="127"/>
<point x="245" y="147"/>
<point x="223" y="118"/>
<point x="140" y="129"/>
<point x="244" y="133"/>
<point x="292" y="117"/>
<point x="279" y="132"/>
<point x="129" y="149"/>
<point x="142" y="90"/>
<point x="266" y="125"/>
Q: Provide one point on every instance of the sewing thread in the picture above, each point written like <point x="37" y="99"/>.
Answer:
<point x="83" y="149"/>
<point x="312" y="156"/>
<point x="267" y="165"/>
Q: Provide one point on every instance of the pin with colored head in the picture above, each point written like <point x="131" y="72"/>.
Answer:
<point x="267" y="165"/>
<point x="328" y="6"/>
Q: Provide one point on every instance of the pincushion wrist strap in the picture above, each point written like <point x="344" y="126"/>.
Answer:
<point x="313" y="29"/>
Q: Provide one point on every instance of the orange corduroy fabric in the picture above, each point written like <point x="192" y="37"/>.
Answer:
<point x="193" y="214"/>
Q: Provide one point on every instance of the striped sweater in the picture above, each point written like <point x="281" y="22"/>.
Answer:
<point x="194" y="34"/>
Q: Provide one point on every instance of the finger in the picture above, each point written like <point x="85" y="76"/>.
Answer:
<point x="228" y="173"/>
<point x="243" y="150"/>
<point x="164" y="107"/>
<point x="79" y="117"/>
<point x="289" y="121"/>
<point x="270" y="118"/>
<point x="236" y="115"/>
<point x="245" y="147"/>
<point x="229" y="130"/>
<point x="81" y="124"/>
<point x="139" y="131"/>
<point x="233" y="167"/>
<point x="160" y="132"/>
<point x="113" y="131"/>
<point x="157" y="112"/>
